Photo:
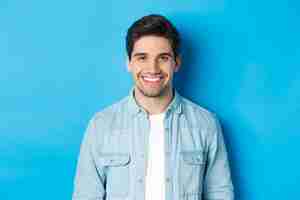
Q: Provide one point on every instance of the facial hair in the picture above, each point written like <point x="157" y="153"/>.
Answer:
<point x="152" y="94"/>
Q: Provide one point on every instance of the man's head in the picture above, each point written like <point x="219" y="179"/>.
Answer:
<point x="152" y="44"/>
<point x="156" y="25"/>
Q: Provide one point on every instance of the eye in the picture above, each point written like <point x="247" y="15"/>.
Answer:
<point x="141" y="58"/>
<point x="164" y="58"/>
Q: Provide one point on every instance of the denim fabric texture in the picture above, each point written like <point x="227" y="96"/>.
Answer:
<point x="113" y="156"/>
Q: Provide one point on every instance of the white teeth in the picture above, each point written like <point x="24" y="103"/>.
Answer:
<point x="151" y="79"/>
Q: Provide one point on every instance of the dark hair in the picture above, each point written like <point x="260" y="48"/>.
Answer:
<point x="154" y="24"/>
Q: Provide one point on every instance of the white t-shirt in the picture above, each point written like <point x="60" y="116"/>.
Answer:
<point x="155" y="184"/>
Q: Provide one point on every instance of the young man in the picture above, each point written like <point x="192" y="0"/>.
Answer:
<point x="154" y="144"/>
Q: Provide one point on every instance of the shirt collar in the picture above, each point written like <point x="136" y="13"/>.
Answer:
<point x="175" y="105"/>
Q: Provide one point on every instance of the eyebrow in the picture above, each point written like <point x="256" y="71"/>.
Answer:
<point x="138" y="54"/>
<point x="166" y="54"/>
<point x="161" y="54"/>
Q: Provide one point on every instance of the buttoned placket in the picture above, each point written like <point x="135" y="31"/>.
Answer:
<point x="167" y="140"/>
<point x="142" y="119"/>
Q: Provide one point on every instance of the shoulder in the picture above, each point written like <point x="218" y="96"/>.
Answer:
<point x="111" y="113"/>
<point x="200" y="118"/>
<point x="198" y="115"/>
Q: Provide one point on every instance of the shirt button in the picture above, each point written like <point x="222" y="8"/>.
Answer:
<point x="140" y="180"/>
<point x="168" y="179"/>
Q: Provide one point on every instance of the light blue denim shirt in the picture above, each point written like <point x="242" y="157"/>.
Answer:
<point x="113" y="154"/>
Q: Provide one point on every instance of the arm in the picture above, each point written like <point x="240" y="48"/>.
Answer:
<point x="89" y="178"/>
<point x="217" y="184"/>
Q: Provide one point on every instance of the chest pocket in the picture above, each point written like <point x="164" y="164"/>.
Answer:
<point x="115" y="159"/>
<point x="117" y="172"/>
<point x="192" y="166"/>
<point x="193" y="158"/>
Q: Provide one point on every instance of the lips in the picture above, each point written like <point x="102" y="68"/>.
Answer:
<point x="152" y="78"/>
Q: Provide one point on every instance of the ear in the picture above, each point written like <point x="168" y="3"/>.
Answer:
<point x="177" y="63"/>
<point x="129" y="66"/>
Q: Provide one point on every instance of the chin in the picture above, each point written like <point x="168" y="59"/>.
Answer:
<point x="152" y="93"/>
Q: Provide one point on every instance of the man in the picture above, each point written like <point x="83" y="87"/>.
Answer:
<point x="154" y="144"/>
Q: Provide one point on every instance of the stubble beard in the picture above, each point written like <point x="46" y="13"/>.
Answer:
<point x="154" y="93"/>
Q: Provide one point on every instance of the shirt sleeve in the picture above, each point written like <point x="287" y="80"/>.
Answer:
<point x="89" y="177"/>
<point x="217" y="182"/>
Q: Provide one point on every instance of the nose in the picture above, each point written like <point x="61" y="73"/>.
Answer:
<point x="153" y="67"/>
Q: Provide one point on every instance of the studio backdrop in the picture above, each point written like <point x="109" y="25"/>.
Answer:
<point x="62" y="61"/>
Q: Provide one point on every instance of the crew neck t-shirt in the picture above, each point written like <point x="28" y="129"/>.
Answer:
<point x="155" y="174"/>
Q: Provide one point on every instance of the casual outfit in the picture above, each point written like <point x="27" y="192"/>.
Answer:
<point x="127" y="154"/>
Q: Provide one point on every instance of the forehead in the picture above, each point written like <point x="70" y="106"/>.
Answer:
<point x="152" y="44"/>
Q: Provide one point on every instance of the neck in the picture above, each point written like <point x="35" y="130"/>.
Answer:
<point x="154" y="105"/>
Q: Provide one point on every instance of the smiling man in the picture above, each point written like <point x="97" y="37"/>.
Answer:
<point x="154" y="144"/>
<point x="153" y="64"/>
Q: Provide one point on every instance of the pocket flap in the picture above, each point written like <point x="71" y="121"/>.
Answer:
<point x="114" y="159"/>
<point x="193" y="157"/>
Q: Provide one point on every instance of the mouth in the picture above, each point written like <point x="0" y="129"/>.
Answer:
<point x="152" y="78"/>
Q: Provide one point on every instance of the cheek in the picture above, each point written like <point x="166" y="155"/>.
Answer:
<point x="170" y="70"/>
<point x="136" y="73"/>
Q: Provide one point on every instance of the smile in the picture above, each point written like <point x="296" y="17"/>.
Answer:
<point x="152" y="79"/>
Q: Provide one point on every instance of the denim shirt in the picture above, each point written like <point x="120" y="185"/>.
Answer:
<point x="113" y="155"/>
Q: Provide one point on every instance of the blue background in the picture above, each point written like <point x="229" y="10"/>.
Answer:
<point x="61" y="61"/>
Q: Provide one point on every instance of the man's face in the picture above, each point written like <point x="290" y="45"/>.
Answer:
<point x="152" y="65"/>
